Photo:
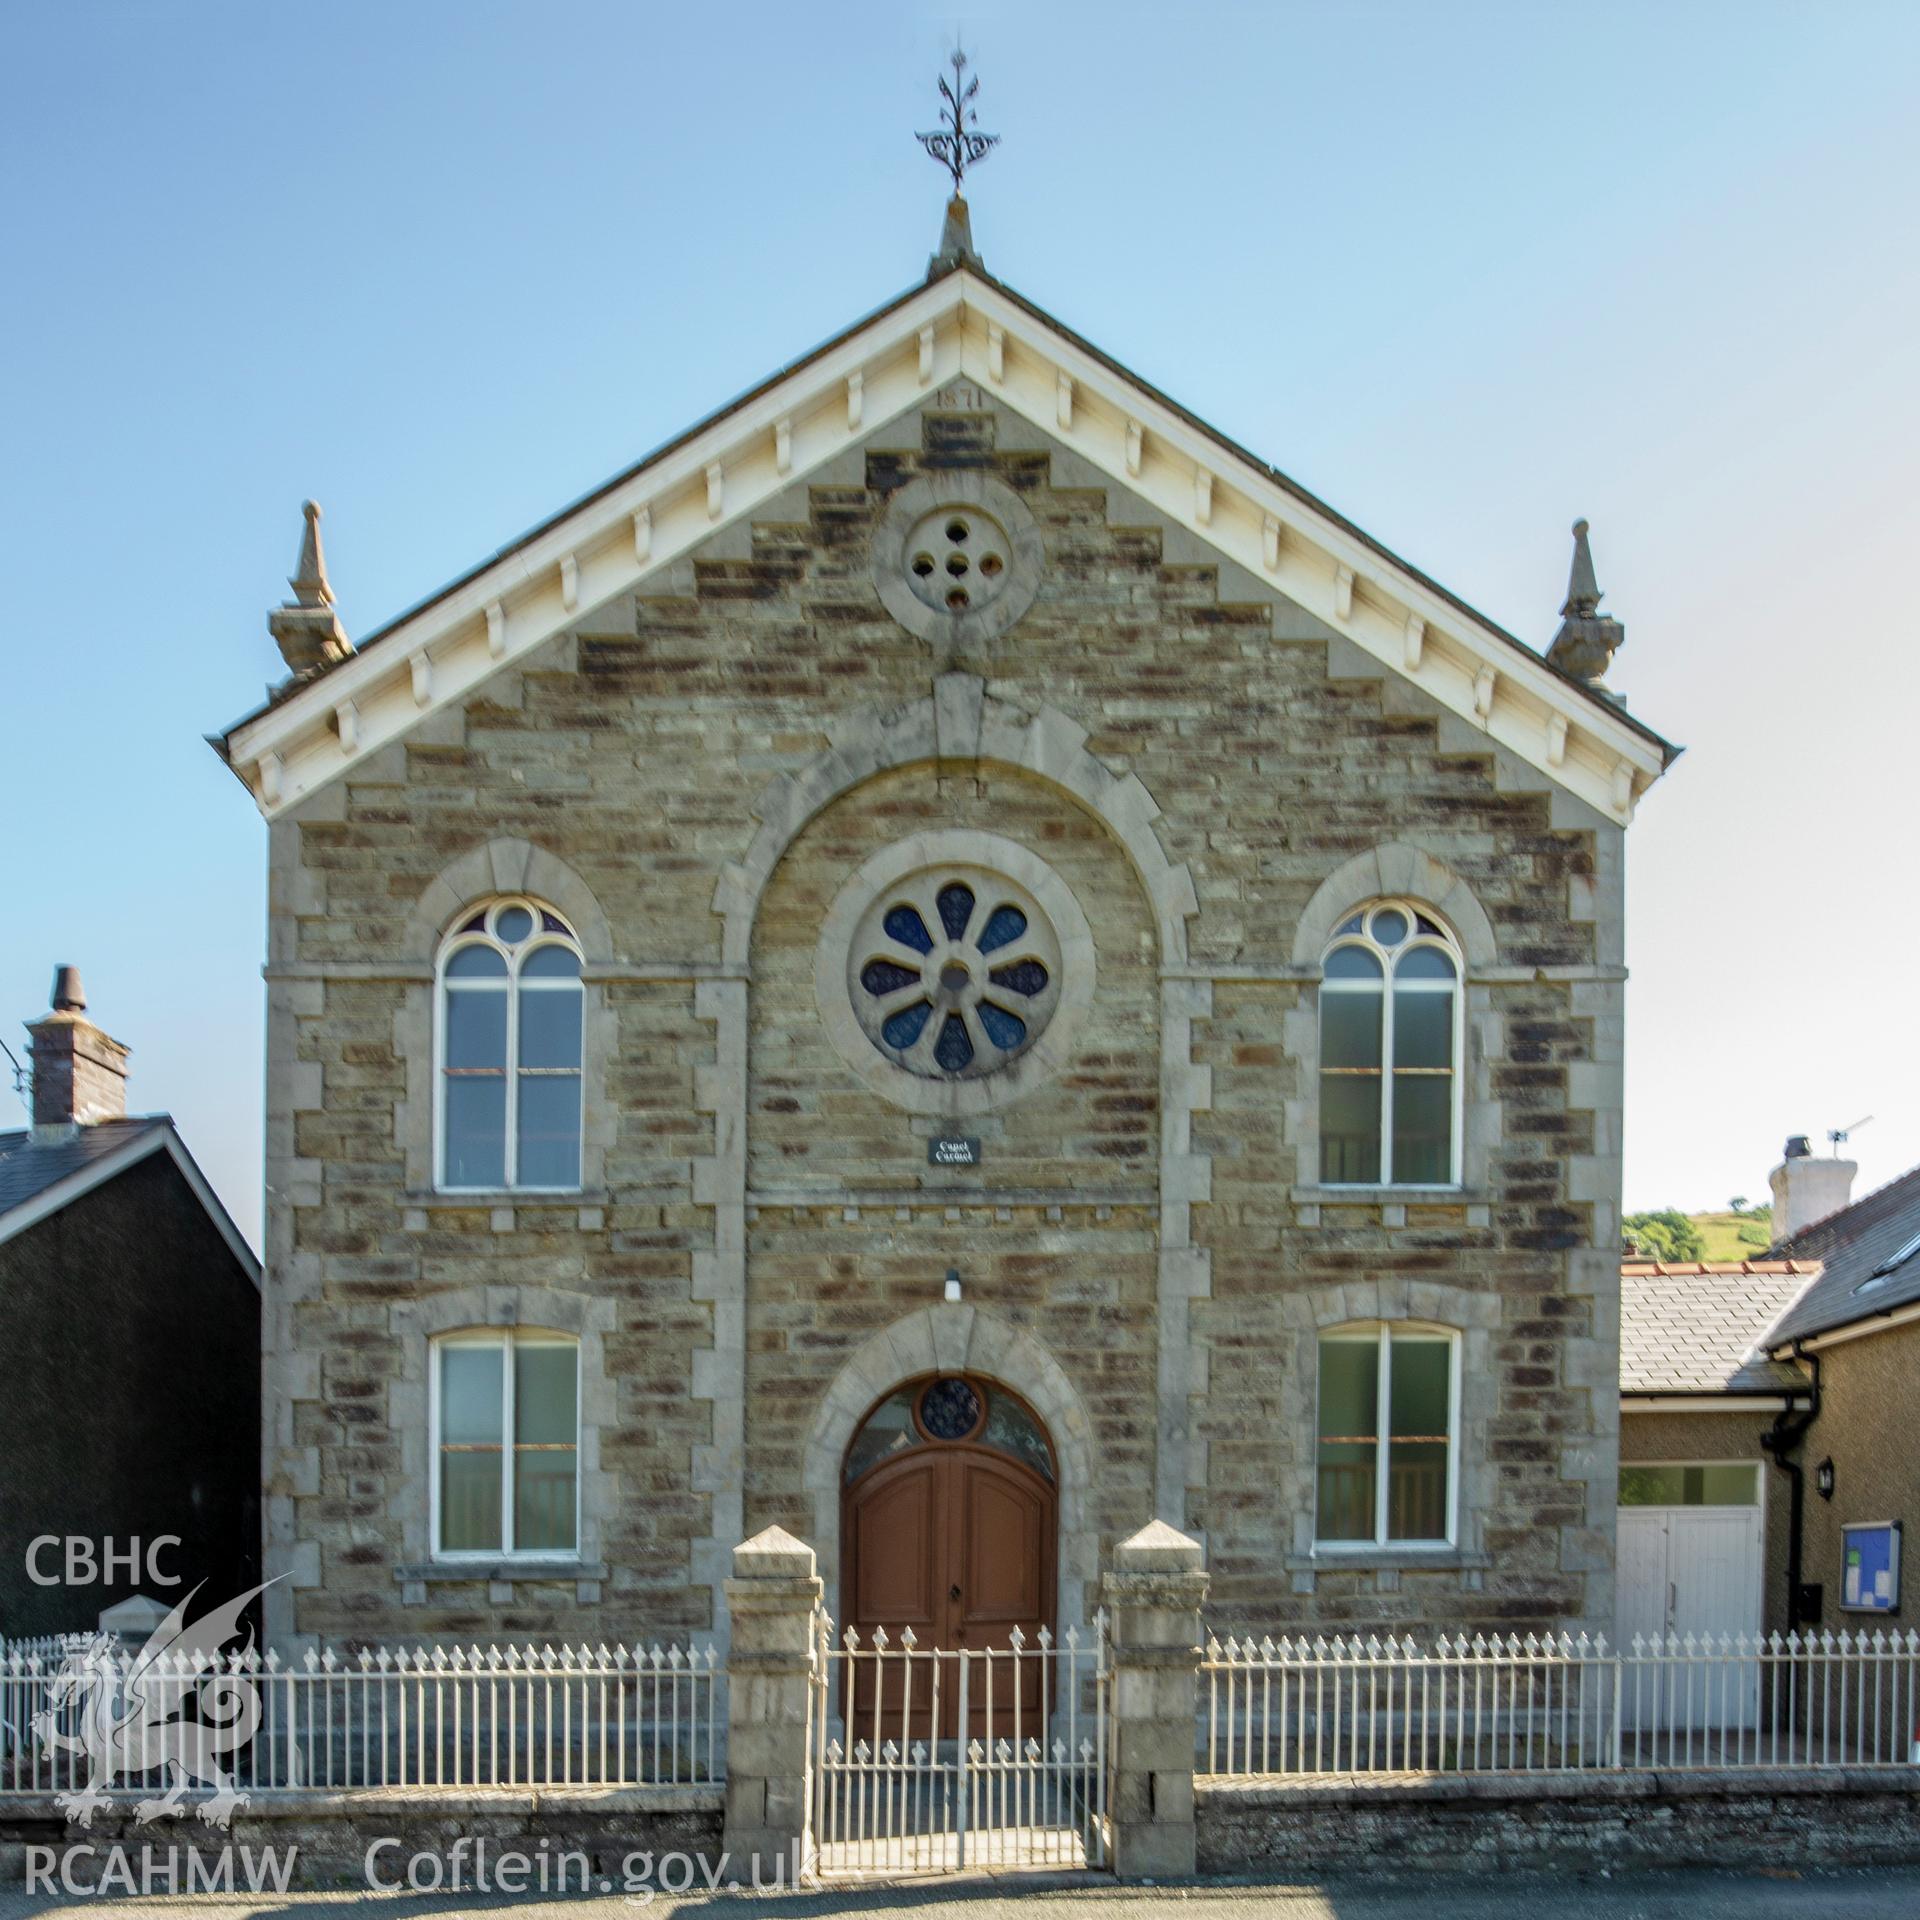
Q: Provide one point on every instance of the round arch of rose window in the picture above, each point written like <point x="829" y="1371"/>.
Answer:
<point x="954" y="971"/>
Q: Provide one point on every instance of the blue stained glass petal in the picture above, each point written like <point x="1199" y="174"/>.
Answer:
<point x="956" y="908"/>
<point x="1006" y="1030"/>
<point x="478" y="924"/>
<point x="905" y="1027"/>
<point x="1006" y="923"/>
<point x="883" y="977"/>
<point x="1024" y="976"/>
<point x="954" y="1049"/>
<point x="904" y="924"/>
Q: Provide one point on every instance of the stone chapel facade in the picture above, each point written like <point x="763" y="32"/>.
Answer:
<point x="954" y="964"/>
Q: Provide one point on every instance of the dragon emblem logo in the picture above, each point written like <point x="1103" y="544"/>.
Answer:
<point x="179" y="1706"/>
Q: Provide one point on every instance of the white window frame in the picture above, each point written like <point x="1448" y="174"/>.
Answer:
<point x="1388" y="957"/>
<point x="1385" y="1332"/>
<point x="510" y="1339"/>
<point x="515" y="958"/>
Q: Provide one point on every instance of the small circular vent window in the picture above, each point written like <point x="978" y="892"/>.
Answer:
<point x="957" y="558"/>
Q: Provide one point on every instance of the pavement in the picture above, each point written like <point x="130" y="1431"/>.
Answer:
<point x="1779" y="1894"/>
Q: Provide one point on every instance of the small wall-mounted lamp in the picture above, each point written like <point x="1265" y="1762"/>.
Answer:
<point x="953" y="1284"/>
<point x="1823" y="1478"/>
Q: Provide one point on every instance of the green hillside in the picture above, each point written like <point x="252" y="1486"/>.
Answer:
<point x="1735" y="1236"/>
<point x="1669" y="1234"/>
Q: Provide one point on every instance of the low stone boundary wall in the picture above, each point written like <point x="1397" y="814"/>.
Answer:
<point x="1334" y="1823"/>
<point x="461" y="1838"/>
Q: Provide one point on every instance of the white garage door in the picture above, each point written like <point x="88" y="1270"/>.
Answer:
<point x="1691" y="1561"/>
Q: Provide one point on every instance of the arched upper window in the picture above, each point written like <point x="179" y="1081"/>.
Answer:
<point x="1390" y="1028"/>
<point x="509" y="1037"/>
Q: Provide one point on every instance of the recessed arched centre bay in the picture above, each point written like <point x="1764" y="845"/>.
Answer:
<point x="851" y="1228"/>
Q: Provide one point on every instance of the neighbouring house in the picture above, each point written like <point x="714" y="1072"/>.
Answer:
<point x="1765" y="1474"/>
<point x="1701" y="1519"/>
<point x="1856" y="1333"/>
<point x="130" y="1326"/>
<point x="952" y="962"/>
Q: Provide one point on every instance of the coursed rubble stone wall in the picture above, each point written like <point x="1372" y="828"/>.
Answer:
<point x="1165" y="1173"/>
<point x="1839" y="1817"/>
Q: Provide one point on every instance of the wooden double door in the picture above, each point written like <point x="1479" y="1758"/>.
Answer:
<point x="955" y="1542"/>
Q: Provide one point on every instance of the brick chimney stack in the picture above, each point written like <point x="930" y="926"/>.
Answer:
<point x="1806" y="1189"/>
<point x="79" y="1073"/>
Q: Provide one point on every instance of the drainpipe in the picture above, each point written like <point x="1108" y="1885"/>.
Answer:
<point x="1789" y="1428"/>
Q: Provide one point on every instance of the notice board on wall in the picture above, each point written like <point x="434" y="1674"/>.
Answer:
<point x="1870" y="1566"/>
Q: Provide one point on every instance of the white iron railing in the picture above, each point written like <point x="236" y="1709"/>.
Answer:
<point x="932" y="1758"/>
<point x="384" y="1717"/>
<point x="1530" y="1703"/>
<point x="24" y="1694"/>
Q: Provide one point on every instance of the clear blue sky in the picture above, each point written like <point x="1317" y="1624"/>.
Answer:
<point x="1466" y="271"/>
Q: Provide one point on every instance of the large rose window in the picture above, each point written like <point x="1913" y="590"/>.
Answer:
<point x="954" y="972"/>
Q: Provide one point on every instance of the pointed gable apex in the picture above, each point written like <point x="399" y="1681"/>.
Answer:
<point x="962" y="324"/>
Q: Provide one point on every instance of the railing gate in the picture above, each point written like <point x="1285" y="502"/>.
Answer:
<point x="936" y="1759"/>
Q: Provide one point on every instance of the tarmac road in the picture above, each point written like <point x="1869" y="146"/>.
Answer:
<point x="1782" y="1894"/>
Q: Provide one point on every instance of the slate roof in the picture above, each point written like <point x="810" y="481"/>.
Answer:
<point x="1701" y="1326"/>
<point x="27" y="1170"/>
<point x="1850" y="1245"/>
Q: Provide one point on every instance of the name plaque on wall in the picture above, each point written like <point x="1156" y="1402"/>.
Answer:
<point x="949" y="1150"/>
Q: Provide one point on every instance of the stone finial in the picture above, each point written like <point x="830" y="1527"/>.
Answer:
<point x="306" y="628"/>
<point x="1158" y="1548"/>
<point x="1588" y="639"/>
<point x="309" y="582"/>
<point x="773" y="1553"/>
<point x="1583" y="589"/>
<point x="956" y="242"/>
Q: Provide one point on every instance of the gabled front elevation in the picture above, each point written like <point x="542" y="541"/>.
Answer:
<point x="952" y="964"/>
<point x="962" y="325"/>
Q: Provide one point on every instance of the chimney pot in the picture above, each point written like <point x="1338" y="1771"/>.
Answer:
<point x="79" y="1072"/>
<point x="1807" y="1190"/>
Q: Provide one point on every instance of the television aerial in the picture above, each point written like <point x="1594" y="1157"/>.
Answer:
<point x="1838" y="1135"/>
